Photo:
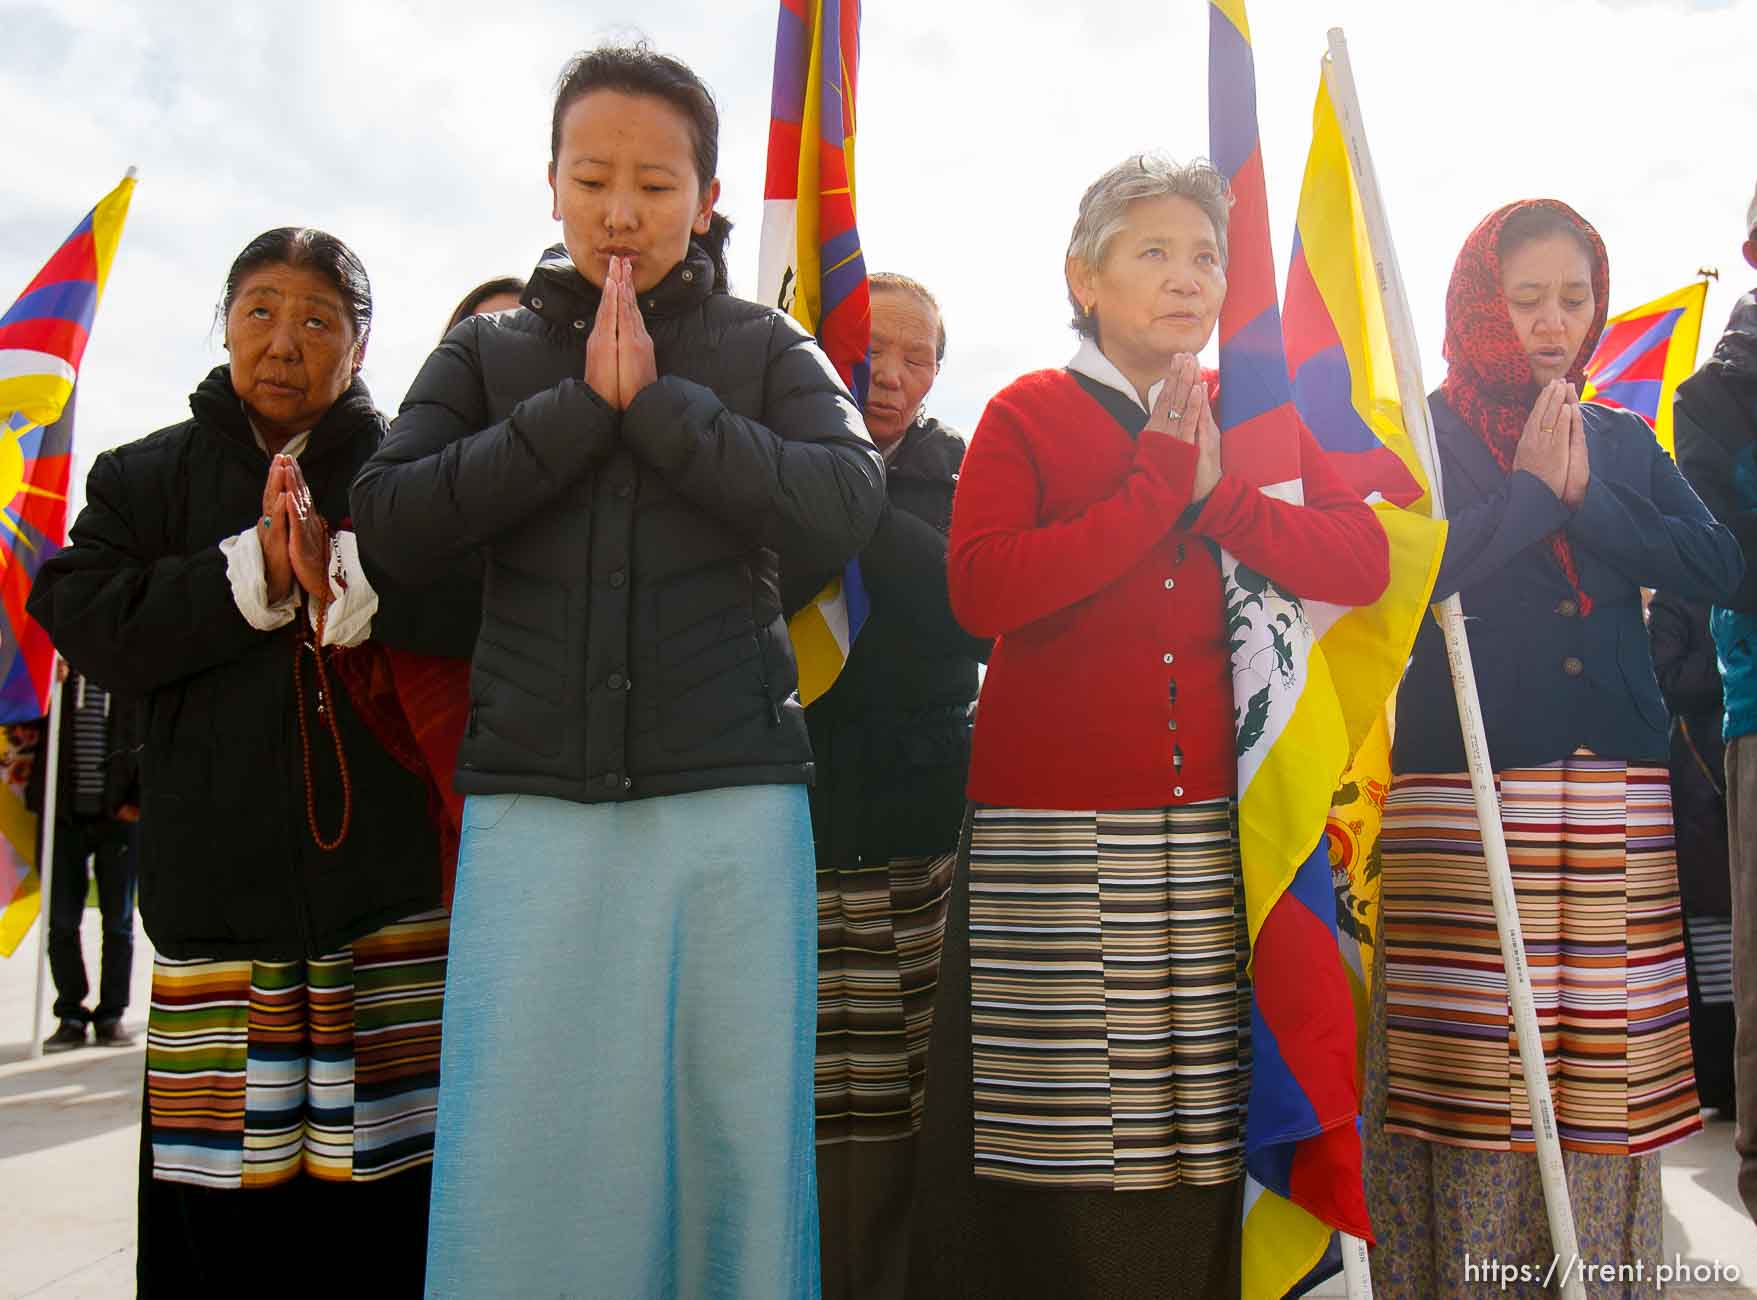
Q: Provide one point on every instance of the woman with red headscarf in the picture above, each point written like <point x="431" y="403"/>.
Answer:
<point x="1561" y="511"/>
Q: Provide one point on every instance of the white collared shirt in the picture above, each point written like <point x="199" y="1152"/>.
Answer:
<point x="1092" y="363"/>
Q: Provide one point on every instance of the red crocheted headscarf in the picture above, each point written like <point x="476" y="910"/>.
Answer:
<point x="1488" y="377"/>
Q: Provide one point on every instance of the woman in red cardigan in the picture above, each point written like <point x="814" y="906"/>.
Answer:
<point x="1090" y="1054"/>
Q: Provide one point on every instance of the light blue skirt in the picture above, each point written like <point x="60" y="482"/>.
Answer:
<point x="629" y="1035"/>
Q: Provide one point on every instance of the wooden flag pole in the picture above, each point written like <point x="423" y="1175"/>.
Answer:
<point x="46" y="854"/>
<point x="1339" y="76"/>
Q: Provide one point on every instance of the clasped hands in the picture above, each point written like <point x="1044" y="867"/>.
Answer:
<point x="295" y="539"/>
<point x="619" y="353"/>
<point x="1553" y="446"/>
<point x="1182" y="411"/>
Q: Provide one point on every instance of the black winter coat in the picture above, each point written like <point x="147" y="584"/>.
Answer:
<point x="1689" y="675"/>
<point x="139" y="601"/>
<point x="1714" y="419"/>
<point x="892" y="737"/>
<point x="632" y="642"/>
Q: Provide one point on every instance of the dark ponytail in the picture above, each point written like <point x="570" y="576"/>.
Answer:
<point x="638" y="70"/>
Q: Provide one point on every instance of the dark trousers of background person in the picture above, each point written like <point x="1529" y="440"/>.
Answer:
<point x="110" y="846"/>
<point x="1741" y="791"/>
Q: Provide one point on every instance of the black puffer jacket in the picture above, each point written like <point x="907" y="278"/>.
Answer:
<point x="632" y="642"/>
<point x="139" y="601"/>
<point x="892" y="736"/>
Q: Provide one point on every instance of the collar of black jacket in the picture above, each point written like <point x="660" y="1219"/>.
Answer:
<point x="562" y="296"/>
<point x="217" y="405"/>
<point x="930" y="450"/>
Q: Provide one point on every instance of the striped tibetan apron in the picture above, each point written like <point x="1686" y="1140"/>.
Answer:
<point x="1595" y="869"/>
<point x="1109" y="1004"/>
<point x="259" y="1071"/>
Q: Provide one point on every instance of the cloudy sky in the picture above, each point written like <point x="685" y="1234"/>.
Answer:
<point x="418" y="132"/>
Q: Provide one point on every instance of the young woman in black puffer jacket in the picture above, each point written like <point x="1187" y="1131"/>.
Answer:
<point x="628" y="1107"/>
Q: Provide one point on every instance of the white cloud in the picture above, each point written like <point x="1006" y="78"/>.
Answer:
<point x="419" y="133"/>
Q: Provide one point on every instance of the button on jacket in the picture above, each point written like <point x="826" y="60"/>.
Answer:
<point x="1550" y="680"/>
<point x="1110" y="683"/>
<point x="632" y="642"/>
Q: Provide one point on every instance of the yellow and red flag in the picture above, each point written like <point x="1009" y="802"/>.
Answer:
<point x="21" y="746"/>
<point x="42" y="339"/>
<point x="1643" y="356"/>
<point x="1323" y="365"/>
<point x="810" y="264"/>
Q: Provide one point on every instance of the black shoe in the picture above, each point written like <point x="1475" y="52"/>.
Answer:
<point x="109" y="1033"/>
<point x="70" y="1035"/>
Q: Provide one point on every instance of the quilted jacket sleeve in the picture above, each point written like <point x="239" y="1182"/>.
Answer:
<point x="121" y="611"/>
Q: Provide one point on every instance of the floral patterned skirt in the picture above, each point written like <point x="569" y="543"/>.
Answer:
<point x="1442" y="1214"/>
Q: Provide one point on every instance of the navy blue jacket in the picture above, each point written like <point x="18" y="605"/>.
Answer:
<point x="1551" y="681"/>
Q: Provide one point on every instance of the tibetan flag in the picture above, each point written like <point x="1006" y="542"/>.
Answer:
<point x="1645" y="354"/>
<point x="1352" y="832"/>
<point x="1345" y="387"/>
<point x="20" y="895"/>
<point x="1302" y="1144"/>
<point x="42" y="338"/>
<point x="810" y="264"/>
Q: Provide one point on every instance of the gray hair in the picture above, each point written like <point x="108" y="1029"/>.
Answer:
<point x="1104" y="208"/>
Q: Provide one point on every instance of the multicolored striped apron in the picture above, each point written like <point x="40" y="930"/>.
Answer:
<point x="1590" y="843"/>
<point x="260" y="1071"/>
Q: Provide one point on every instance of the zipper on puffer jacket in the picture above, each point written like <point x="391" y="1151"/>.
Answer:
<point x="762" y="672"/>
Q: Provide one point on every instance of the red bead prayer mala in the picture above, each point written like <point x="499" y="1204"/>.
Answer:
<point x="327" y="711"/>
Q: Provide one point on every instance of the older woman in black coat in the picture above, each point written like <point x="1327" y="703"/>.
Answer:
<point x="891" y="744"/>
<point x="287" y="856"/>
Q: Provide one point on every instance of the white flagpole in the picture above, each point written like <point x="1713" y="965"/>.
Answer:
<point x="1340" y="77"/>
<point x="46" y="857"/>
<point x="1357" y="1273"/>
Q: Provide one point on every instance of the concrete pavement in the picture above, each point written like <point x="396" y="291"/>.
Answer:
<point x="70" y="1132"/>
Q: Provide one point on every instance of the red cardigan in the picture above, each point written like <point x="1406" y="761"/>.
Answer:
<point x="1111" y="661"/>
